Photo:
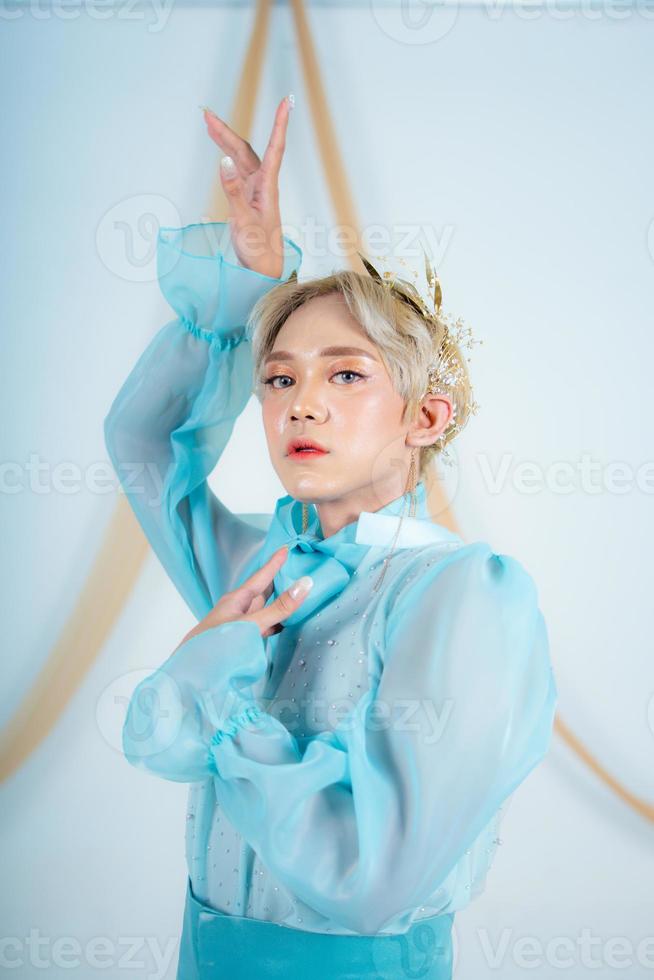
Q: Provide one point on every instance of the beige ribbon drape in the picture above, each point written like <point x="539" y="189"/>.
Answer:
<point x="120" y="558"/>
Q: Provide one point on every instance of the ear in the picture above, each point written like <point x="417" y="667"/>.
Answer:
<point x="434" y="414"/>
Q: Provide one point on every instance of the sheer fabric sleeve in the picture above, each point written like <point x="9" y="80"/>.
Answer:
<point x="366" y="822"/>
<point x="173" y="416"/>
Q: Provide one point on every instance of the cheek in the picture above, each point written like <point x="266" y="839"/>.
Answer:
<point x="368" y="420"/>
<point x="273" y="416"/>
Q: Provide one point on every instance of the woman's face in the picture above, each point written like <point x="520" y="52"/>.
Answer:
<point x="343" y="401"/>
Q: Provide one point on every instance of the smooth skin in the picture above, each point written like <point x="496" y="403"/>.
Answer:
<point x="344" y="402"/>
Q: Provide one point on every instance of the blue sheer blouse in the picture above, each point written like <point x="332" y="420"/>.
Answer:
<point x="347" y="774"/>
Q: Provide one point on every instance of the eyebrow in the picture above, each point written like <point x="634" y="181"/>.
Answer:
<point x="285" y="355"/>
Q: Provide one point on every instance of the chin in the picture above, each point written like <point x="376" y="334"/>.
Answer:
<point x="305" y="482"/>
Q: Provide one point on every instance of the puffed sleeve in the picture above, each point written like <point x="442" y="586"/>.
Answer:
<point x="366" y="822"/>
<point x="173" y="416"/>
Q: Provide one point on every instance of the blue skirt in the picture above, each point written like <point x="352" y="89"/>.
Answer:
<point x="216" y="946"/>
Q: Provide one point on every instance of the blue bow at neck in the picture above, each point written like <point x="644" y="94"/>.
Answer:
<point x="329" y="561"/>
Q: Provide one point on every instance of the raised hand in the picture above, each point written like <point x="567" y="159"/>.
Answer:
<point x="247" y="602"/>
<point x="251" y="188"/>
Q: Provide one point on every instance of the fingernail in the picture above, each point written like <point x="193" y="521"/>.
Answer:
<point x="205" y="108"/>
<point x="229" y="167"/>
<point x="291" y="101"/>
<point x="302" y="585"/>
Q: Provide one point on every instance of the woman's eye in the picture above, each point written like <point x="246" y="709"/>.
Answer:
<point x="270" y="381"/>
<point x="356" y="374"/>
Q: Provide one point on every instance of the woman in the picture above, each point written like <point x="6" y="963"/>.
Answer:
<point x="363" y="691"/>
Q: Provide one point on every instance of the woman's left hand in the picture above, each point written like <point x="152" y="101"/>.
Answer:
<point x="248" y="601"/>
<point x="252" y="192"/>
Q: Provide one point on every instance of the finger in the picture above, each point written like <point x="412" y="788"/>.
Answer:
<point x="250" y="597"/>
<point x="230" y="142"/>
<point x="272" y="158"/>
<point x="285" y="604"/>
<point x="257" y="603"/>
<point x="272" y="630"/>
<point x="234" y="188"/>
<point x="260" y="580"/>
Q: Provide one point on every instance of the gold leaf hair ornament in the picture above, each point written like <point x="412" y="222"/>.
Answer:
<point x="447" y="371"/>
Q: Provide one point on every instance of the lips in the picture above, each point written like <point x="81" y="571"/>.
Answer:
<point x="305" y="448"/>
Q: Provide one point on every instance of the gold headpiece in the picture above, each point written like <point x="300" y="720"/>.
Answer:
<point x="447" y="372"/>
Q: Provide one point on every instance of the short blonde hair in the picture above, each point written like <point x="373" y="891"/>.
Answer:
<point x="405" y="341"/>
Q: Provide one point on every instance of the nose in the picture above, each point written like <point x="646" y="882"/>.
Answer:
<point x="307" y="401"/>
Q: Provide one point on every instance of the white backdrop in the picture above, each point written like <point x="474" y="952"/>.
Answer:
<point x="519" y="144"/>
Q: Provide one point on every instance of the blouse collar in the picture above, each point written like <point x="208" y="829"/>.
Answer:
<point x="371" y="527"/>
<point x="332" y="561"/>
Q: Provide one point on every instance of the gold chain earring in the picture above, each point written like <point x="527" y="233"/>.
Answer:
<point x="411" y="484"/>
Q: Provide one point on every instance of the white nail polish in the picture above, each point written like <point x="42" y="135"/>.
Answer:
<point x="301" y="585"/>
<point x="291" y="101"/>
<point x="228" y="166"/>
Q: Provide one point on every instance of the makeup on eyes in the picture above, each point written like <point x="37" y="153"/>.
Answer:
<point x="277" y="369"/>
<point x="358" y="375"/>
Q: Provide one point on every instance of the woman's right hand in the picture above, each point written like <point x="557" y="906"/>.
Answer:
<point x="251" y="187"/>
<point x="248" y="601"/>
